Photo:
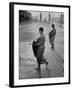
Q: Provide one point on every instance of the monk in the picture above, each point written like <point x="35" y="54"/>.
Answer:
<point x="40" y="47"/>
<point x="52" y="35"/>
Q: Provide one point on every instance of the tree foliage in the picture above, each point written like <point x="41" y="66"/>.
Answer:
<point x="24" y="16"/>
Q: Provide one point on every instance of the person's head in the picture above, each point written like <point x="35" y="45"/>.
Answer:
<point x="41" y="30"/>
<point x="53" y="26"/>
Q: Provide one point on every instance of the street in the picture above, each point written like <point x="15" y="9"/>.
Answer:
<point x="55" y="57"/>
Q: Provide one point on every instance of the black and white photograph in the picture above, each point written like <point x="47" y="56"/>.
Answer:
<point x="41" y="44"/>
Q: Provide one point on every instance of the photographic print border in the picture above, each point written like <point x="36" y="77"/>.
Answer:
<point x="11" y="43"/>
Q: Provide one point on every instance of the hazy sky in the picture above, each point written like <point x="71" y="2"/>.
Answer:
<point x="44" y="14"/>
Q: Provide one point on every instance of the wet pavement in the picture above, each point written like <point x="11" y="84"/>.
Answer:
<point x="55" y="57"/>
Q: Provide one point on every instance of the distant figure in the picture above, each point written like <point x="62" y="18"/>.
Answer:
<point x="39" y="47"/>
<point x="52" y="35"/>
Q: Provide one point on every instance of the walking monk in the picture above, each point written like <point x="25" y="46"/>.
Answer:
<point x="40" y="46"/>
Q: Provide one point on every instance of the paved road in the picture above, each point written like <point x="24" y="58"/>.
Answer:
<point x="27" y="61"/>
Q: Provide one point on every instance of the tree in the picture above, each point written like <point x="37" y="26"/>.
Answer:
<point x="49" y="18"/>
<point x="40" y="16"/>
<point x="61" y="20"/>
<point x="24" y="16"/>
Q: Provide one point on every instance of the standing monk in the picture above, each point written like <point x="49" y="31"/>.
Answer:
<point x="52" y="35"/>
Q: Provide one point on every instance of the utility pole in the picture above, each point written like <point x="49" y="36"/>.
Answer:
<point x="49" y="18"/>
<point x="40" y="17"/>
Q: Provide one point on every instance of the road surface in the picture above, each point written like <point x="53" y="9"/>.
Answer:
<point x="27" y="61"/>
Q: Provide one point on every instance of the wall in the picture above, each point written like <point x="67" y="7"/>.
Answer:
<point x="4" y="43"/>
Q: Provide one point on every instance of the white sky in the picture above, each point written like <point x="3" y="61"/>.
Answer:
<point x="44" y="14"/>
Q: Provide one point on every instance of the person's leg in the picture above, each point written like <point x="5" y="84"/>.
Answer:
<point x="44" y="61"/>
<point x="53" y="44"/>
<point x="38" y="68"/>
<point x="39" y="55"/>
<point x="51" y="41"/>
